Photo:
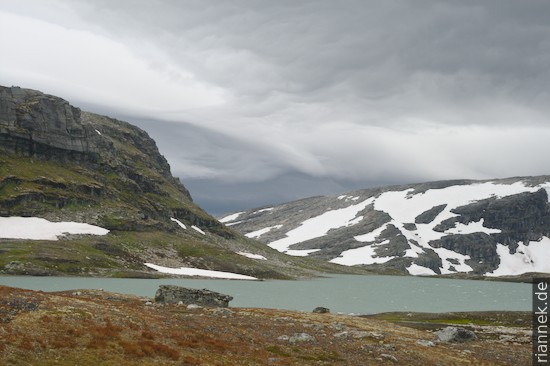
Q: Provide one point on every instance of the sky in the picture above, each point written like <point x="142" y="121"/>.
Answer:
<point x="258" y="102"/>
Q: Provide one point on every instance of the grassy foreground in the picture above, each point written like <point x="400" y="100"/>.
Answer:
<point x="100" y="328"/>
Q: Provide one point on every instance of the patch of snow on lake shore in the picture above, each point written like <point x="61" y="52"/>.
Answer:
<point x="187" y="271"/>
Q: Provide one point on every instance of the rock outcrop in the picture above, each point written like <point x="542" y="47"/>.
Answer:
<point x="170" y="294"/>
<point x="110" y="169"/>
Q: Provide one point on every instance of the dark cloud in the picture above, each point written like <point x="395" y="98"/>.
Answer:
<point x="249" y="93"/>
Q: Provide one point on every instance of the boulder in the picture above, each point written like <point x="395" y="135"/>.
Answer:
<point x="321" y="310"/>
<point x="170" y="294"/>
<point x="456" y="335"/>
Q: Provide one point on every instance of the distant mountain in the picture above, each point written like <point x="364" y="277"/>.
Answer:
<point x="493" y="228"/>
<point x="66" y="173"/>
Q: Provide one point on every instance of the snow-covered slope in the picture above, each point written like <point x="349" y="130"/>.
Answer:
<point x="495" y="228"/>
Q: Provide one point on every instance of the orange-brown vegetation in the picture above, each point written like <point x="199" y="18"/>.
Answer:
<point x="99" y="328"/>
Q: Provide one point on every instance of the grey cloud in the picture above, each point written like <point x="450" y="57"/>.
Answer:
<point x="338" y="91"/>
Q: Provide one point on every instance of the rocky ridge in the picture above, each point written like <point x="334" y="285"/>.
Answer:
<point x="494" y="227"/>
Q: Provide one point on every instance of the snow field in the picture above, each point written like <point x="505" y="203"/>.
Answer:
<point x="319" y="226"/>
<point x="35" y="228"/>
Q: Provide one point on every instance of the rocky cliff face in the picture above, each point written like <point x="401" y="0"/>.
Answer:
<point x="499" y="227"/>
<point x="39" y="125"/>
<point x="94" y="161"/>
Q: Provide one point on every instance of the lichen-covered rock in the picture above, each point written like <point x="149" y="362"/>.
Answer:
<point x="455" y="335"/>
<point x="170" y="294"/>
<point x="301" y="337"/>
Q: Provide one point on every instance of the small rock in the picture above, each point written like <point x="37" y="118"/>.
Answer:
<point x="388" y="357"/>
<point x="149" y="303"/>
<point x="321" y="310"/>
<point x="193" y="306"/>
<point x="180" y="302"/>
<point x="362" y="334"/>
<point x="301" y="337"/>
<point x="223" y="312"/>
<point x="506" y="338"/>
<point x="455" y="334"/>
<point x="77" y="293"/>
<point x="283" y="338"/>
<point x="343" y="334"/>
<point x="425" y="343"/>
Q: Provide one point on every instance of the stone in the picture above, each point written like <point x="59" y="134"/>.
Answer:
<point x="170" y="294"/>
<point x="343" y="334"/>
<point x="425" y="343"/>
<point x="223" y="312"/>
<point x="455" y="335"/>
<point x="362" y="334"/>
<point x="388" y="357"/>
<point x="301" y="337"/>
<point x="321" y="310"/>
<point x="192" y="306"/>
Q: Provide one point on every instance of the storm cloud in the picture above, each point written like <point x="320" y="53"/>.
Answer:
<point x="255" y="102"/>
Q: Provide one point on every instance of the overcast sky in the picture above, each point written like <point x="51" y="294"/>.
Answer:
<point x="259" y="102"/>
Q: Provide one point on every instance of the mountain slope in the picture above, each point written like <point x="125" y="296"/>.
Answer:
<point x="65" y="165"/>
<point x="493" y="228"/>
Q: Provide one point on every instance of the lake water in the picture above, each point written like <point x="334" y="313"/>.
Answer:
<point x="340" y="293"/>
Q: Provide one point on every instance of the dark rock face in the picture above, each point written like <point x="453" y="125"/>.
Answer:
<point x="521" y="217"/>
<point x="170" y="294"/>
<point x="428" y="216"/>
<point x="40" y="125"/>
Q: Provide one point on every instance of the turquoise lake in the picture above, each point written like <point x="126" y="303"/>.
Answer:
<point x="340" y="293"/>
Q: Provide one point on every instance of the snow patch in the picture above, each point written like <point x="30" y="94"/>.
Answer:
<point x="198" y="229"/>
<point x="372" y="235"/>
<point x="301" y="252"/>
<point x="348" y="198"/>
<point x="472" y="227"/>
<point x="234" y="223"/>
<point x="448" y="267"/>
<point x="320" y="225"/>
<point x="258" y="233"/>
<point x="35" y="228"/>
<point x="264" y="210"/>
<point x="99" y="133"/>
<point x="252" y="256"/>
<point x="187" y="271"/>
<point x="181" y="224"/>
<point x="534" y="257"/>
<point x="363" y="255"/>
<point x="231" y="217"/>
<point x="417" y="270"/>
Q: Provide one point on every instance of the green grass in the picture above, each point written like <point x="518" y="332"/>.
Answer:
<point x="478" y="318"/>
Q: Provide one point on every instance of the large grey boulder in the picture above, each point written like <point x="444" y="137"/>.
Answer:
<point x="170" y="294"/>
<point x="456" y="335"/>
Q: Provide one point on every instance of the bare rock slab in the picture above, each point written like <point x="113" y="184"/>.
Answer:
<point x="170" y="294"/>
